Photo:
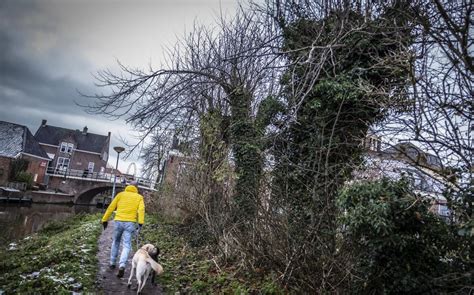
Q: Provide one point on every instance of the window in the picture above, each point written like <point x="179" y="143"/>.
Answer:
<point x="63" y="163"/>
<point x="91" y="167"/>
<point x="66" y="147"/>
<point x="443" y="210"/>
<point x="63" y="147"/>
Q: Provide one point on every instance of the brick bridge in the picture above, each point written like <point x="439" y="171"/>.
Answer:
<point x="82" y="188"/>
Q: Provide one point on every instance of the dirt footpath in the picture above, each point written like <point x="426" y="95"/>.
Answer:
<point x="107" y="280"/>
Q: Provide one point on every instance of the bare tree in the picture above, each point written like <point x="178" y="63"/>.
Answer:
<point x="215" y="82"/>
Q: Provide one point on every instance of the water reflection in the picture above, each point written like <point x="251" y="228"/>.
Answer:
<point x="18" y="221"/>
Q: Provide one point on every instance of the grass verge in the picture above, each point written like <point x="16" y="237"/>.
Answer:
<point x="58" y="259"/>
<point x="191" y="270"/>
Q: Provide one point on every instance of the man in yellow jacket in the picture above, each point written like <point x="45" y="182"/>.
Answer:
<point x="130" y="208"/>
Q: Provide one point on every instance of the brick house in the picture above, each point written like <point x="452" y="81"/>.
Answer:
<point x="78" y="151"/>
<point x="17" y="142"/>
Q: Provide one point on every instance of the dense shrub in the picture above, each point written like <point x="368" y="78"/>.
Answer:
<point x="397" y="245"/>
<point x="25" y="177"/>
<point x="18" y="166"/>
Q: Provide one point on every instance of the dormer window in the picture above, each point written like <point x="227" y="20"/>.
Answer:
<point x="66" y="147"/>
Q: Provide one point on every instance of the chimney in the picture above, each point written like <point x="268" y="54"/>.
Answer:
<point x="84" y="131"/>
<point x="109" y="134"/>
<point x="43" y="123"/>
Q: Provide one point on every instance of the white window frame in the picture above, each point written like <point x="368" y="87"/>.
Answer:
<point x="443" y="210"/>
<point x="66" y="147"/>
<point x="63" y="163"/>
<point x="63" y="147"/>
<point x="91" y="167"/>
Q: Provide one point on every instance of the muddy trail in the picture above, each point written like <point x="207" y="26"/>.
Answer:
<point x="107" y="280"/>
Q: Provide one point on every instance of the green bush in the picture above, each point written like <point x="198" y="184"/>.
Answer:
<point x="26" y="178"/>
<point x="398" y="246"/>
<point x="18" y="166"/>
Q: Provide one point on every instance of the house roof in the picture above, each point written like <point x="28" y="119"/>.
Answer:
<point x="413" y="152"/>
<point x="15" y="139"/>
<point x="87" y="142"/>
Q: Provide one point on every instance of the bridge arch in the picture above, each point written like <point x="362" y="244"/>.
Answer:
<point x="84" y="189"/>
<point x="85" y="197"/>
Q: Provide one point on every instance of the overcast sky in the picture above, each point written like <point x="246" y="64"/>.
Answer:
<point x="49" y="50"/>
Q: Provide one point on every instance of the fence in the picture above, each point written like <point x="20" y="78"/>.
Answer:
<point x="17" y="185"/>
<point x="97" y="176"/>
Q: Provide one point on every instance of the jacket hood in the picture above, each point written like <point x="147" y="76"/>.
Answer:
<point x="131" y="189"/>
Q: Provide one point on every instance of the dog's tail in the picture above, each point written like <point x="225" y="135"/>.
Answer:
<point x="156" y="266"/>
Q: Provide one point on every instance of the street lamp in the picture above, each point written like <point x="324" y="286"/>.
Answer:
<point x="118" y="149"/>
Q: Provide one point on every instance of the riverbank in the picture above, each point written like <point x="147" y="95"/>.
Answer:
<point x="18" y="221"/>
<point x="59" y="258"/>
<point x="62" y="258"/>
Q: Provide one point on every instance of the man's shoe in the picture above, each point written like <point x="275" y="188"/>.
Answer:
<point x="112" y="266"/>
<point x="121" y="272"/>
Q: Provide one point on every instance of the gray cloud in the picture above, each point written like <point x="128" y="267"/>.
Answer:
<point x="30" y="89"/>
<point x="49" y="48"/>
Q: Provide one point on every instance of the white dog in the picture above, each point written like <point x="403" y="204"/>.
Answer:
<point x="143" y="263"/>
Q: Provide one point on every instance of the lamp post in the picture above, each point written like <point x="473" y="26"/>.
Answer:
<point x="118" y="149"/>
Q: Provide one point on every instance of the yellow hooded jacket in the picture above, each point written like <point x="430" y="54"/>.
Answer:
<point x="128" y="204"/>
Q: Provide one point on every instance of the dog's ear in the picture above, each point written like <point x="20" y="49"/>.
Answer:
<point x="154" y="257"/>
<point x="152" y="251"/>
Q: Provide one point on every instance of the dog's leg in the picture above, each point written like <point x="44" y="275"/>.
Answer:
<point x="139" y="282"/>
<point x="153" y="274"/>
<point x="144" y="278"/>
<point x="131" y="274"/>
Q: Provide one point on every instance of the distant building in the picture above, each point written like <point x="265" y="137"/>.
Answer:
<point x="175" y="168"/>
<point x="74" y="150"/>
<point x="177" y="162"/>
<point x="405" y="160"/>
<point x="410" y="153"/>
<point x="17" y="142"/>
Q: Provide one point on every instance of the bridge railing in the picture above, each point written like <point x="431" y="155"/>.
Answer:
<point x="79" y="173"/>
<point x="97" y="176"/>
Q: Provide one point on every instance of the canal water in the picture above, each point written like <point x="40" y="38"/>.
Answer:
<point x="19" y="220"/>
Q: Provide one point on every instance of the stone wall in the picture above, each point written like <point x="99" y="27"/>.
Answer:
<point x="51" y="198"/>
<point x="4" y="170"/>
